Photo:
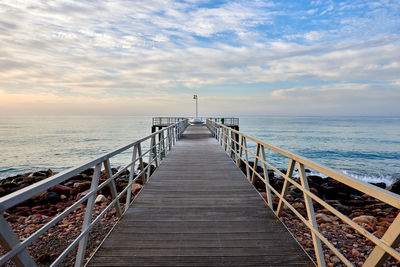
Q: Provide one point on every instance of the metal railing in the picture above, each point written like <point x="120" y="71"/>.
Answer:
<point x="165" y="121"/>
<point x="160" y="143"/>
<point x="235" y="144"/>
<point x="226" y="121"/>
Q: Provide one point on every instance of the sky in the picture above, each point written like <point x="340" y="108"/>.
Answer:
<point x="241" y="58"/>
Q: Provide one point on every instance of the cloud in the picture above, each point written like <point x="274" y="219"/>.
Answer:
<point x="123" y="49"/>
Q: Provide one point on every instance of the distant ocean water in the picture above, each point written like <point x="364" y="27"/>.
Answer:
<point x="366" y="148"/>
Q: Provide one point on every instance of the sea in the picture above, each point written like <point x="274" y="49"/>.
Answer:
<point x="365" y="148"/>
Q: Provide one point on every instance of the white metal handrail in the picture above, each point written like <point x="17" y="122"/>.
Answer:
<point x="160" y="143"/>
<point x="239" y="152"/>
<point x="165" y="121"/>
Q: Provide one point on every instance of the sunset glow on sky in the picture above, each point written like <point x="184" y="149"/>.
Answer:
<point x="241" y="57"/>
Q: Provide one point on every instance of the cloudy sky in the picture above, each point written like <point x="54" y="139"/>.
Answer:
<point x="241" y="57"/>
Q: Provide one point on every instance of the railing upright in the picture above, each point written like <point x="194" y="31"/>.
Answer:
<point x="112" y="186"/>
<point x="131" y="174"/>
<point x="289" y="174"/>
<point x="88" y="216"/>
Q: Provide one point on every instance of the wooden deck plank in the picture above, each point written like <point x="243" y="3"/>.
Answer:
<point x="198" y="209"/>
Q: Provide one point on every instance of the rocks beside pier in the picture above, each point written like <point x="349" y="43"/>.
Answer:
<point x="29" y="216"/>
<point x="370" y="213"/>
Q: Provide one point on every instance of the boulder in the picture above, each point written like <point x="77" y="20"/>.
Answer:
<point x="78" y="177"/>
<point x="298" y="205"/>
<point x="88" y="172"/>
<point x="366" y="219"/>
<point x="38" y="174"/>
<point x="2" y="192"/>
<point x="136" y="188"/>
<point x="152" y="168"/>
<point x="381" y="185"/>
<point x="80" y="187"/>
<point x="51" y="197"/>
<point x="395" y="187"/>
<point x="62" y="189"/>
<point x="82" y="194"/>
<point x="101" y="199"/>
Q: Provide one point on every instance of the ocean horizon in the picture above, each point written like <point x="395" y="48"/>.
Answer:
<point x="363" y="147"/>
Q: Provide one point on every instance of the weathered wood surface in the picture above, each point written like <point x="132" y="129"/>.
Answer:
<point x="198" y="209"/>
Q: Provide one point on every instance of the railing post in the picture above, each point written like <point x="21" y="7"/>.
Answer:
<point x="80" y="256"/>
<point x="140" y="156"/>
<point x="155" y="152"/>
<point x="319" y="253"/>
<point x="129" y="191"/>
<point x="392" y="238"/>
<point x="232" y="144"/>
<point x="111" y="185"/>
<point x="266" y="177"/>
<point x="255" y="164"/>
<point x="247" y="158"/>
<point x="164" y="150"/>
<point x="239" y="152"/>
<point x="226" y="138"/>
<point x="169" y="139"/>
<point x="289" y="173"/>
<point x="8" y="240"/>
<point x="150" y="158"/>
<point x="221" y="135"/>
<point x="158" y="150"/>
<point x="175" y="134"/>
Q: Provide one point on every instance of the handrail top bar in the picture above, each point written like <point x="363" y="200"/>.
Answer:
<point x="25" y="193"/>
<point x="370" y="189"/>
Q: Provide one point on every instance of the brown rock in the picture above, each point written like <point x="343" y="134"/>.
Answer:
<point x="323" y="218"/>
<point x="395" y="187"/>
<point x="2" y="192"/>
<point x="365" y="219"/>
<point x="298" y="205"/>
<point x="62" y="189"/>
<point x="82" y="194"/>
<point x="136" y="188"/>
<point x="380" y="231"/>
<point x="101" y="199"/>
<point x="80" y="187"/>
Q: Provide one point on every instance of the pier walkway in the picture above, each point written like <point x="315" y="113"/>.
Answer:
<point x="198" y="209"/>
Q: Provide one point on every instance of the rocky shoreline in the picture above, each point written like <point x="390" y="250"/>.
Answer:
<point x="32" y="214"/>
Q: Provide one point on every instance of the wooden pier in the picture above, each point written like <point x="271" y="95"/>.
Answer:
<point x="198" y="209"/>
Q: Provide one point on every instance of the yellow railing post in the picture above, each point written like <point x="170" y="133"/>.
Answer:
<point x="289" y="173"/>
<point x="319" y="253"/>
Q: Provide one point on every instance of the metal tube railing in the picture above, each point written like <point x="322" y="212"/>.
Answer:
<point x="158" y="149"/>
<point x="165" y="121"/>
<point x="228" y="138"/>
